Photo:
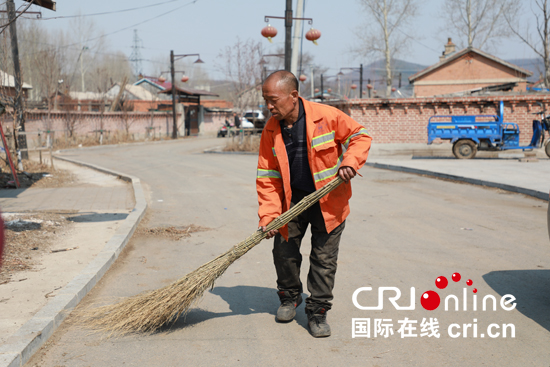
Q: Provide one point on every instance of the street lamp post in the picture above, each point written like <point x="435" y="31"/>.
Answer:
<point x="172" y="75"/>
<point x="360" y="68"/>
<point x="288" y="32"/>
<point x="322" y="83"/>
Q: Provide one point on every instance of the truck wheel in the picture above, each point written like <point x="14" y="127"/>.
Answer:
<point x="464" y="149"/>
<point x="547" y="149"/>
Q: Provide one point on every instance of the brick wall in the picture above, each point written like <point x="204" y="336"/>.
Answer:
<point x="406" y="120"/>
<point x="85" y="123"/>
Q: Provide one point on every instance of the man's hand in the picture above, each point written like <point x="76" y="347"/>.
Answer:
<point x="346" y="173"/>
<point x="271" y="233"/>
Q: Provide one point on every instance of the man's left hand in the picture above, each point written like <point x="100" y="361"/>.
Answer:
<point x="346" y="173"/>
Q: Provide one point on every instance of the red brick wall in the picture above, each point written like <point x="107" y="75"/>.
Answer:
<point x="405" y="120"/>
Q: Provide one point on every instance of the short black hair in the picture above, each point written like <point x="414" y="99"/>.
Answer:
<point x="286" y="77"/>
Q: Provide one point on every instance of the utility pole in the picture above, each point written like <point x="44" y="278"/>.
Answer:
<point x="18" y="98"/>
<point x="297" y="37"/>
<point x="82" y="71"/>
<point x="322" y="90"/>
<point x="288" y="34"/>
<point x="368" y="81"/>
<point x="361" y="81"/>
<point x="172" y="74"/>
<point x="312" y="82"/>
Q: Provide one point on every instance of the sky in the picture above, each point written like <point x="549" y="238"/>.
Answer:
<point x="207" y="26"/>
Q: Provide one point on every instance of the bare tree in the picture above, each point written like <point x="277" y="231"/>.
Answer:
<point x="539" y="43"/>
<point x="48" y="68"/>
<point x="385" y="31"/>
<point x="71" y="120"/>
<point x="481" y="23"/>
<point x="241" y="65"/>
<point x="127" y="121"/>
<point x="109" y="69"/>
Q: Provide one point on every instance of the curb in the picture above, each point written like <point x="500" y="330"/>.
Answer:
<point x="474" y="181"/>
<point x="123" y="145"/>
<point x="26" y="341"/>
<point x="216" y="150"/>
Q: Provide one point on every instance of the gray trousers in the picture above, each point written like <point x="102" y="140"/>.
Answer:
<point x="323" y="257"/>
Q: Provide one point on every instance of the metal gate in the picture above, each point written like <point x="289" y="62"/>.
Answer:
<point x="192" y="120"/>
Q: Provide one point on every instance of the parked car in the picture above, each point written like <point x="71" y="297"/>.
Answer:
<point x="245" y="124"/>
<point x="256" y="117"/>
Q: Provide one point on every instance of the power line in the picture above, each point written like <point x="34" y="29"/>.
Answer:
<point x="128" y="27"/>
<point x="110" y="12"/>
<point x="135" y="25"/>
<point x="4" y="26"/>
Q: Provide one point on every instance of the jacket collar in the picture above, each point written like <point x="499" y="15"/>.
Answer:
<point x="312" y="116"/>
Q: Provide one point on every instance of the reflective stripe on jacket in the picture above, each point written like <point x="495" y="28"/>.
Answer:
<point x="334" y="140"/>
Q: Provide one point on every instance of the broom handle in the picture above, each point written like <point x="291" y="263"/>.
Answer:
<point x="256" y="237"/>
<point x="303" y="205"/>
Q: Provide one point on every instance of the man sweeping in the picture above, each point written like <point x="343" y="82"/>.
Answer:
<point x="303" y="146"/>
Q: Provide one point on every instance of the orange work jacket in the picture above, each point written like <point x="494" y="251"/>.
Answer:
<point x="334" y="140"/>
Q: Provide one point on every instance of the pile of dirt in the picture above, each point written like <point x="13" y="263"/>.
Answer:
<point x="34" y="175"/>
<point x="173" y="233"/>
<point x="28" y="235"/>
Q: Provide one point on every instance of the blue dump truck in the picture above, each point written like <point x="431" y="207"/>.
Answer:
<point x="470" y="133"/>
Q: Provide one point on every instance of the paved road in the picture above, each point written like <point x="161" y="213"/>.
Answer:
<point x="404" y="232"/>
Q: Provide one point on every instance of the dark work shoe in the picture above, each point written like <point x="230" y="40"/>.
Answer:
<point x="317" y="322"/>
<point x="287" y="309"/>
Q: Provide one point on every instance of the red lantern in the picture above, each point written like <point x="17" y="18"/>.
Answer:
<point x="369" y="86"/>
<point x="316" y="90"/>
<point x="313" y="35"/>
<point x="353" y="86"/>
<point x="162" y="79"/>
<point x="184" y="78"/>
<point x="329" y="90"/>
<point x="374" y="91"/>
<point x="269" y="32"/>
<point x="303" y="78"/>
<point x="393" y="89"/>
<point x="364" y="92"/>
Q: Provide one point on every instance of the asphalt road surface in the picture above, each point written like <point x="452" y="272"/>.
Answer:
<point x="404" y="231"/>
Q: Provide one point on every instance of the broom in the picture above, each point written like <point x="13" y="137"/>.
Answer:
<point x="149" y="311"/>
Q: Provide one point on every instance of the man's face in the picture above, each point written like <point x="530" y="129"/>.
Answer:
<point x="280" y="102"/>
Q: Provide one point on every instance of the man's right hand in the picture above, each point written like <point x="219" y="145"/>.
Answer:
<point x="271" y="233"/>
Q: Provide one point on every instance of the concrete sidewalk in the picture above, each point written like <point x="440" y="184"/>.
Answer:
<point x="494" y="169"/>
<point x="105" y="211"/>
